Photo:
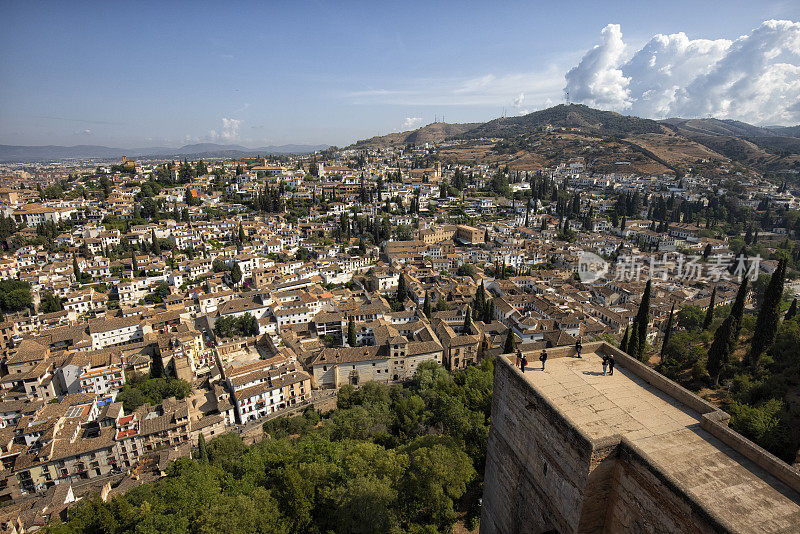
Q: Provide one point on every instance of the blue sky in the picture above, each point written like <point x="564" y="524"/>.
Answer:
<point x="137" y="74"/>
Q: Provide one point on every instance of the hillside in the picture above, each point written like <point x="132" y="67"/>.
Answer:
<point x="608" y="141"/>
<point x="606" y="123"/>
<point x="436" y="132"/>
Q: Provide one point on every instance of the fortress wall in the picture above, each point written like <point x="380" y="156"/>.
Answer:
<point x="538" y="462"/>
<point x="645" y="500"/>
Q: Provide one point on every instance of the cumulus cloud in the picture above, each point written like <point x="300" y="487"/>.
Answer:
<point x="229" y="131"/>
<point x="755" y="78"/>
<point x="598" y="80"/>
<point x="412" y="122"/>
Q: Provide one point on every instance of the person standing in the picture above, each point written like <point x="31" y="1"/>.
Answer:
<point x="543" y="358"/>
<point x="611" y="364"/>
<point x="605" y="364"/>
<point x="524" y="363"/>
<point x="519" y="357"/>
<point x="578" y="347"/>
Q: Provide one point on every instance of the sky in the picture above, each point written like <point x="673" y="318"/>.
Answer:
<point x="169" y="73"/>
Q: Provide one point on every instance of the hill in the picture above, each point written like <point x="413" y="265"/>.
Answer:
<point x="436" y="132"/>
<point x="570" y="116"/>
<point x="608" y="141"/>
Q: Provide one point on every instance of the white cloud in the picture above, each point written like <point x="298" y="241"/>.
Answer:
<point x="519" y="100"/>
<point x="230" y="129"/>
<point x="412" y="122"/>
<point x="228" y="133"/>
<point x="597" y="80"/>
<point x="755" y="78"/>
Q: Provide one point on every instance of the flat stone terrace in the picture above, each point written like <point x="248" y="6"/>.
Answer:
<point x="668" y="432"/>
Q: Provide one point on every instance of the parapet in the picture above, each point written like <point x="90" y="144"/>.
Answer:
<point x="573" y="450"/>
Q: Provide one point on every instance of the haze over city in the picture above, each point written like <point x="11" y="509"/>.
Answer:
<point x="167" y="74"/>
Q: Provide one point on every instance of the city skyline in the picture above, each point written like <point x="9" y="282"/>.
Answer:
<point x="269" y="75"/>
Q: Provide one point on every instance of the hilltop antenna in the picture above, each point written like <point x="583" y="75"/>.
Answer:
<point x="566" y="96"/>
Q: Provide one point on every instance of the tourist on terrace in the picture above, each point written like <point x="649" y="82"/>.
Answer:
<point x="543" y="358"/>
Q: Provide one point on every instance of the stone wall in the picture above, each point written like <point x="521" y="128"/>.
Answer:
<point x="543" y="474"/>
<point x="537" y="463"/>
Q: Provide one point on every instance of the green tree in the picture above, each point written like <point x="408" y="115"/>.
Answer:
<point x="510" y="345"/>
<point x="351" y="332"/>
<point x="623" y="345"/>
<point x="202" y="453"/>
<point x="667" y="330"/>
<point x="402" y="292"/>
<point x="156" y="245"/>
<point x="426" y="306"/>
<point x="691" y="317"/>
<point x="157" y="367"/>
<point x="50" y="303"/>
<point x="792" y="311"/>
<point x="768" y="315"/>
<point x="236" y="273"/>
<point x="727" y="336"/>
<point x="710" y="311"/>
<point x="642" y="319"/>
<point x="467" y="320"/>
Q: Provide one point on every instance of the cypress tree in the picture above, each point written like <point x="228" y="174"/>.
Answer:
<point x="480" y="300"/>
<point x="426" y="306"/>
<point x="157" y="367"/>
<point x="768" y="315"/>
<point x="156" y="246"/>
<point x="719" y="352"/>
<point x="633" y="340"/>
<point x="737" y="310"/>
<point x="726" y="336"/>
<point x="510" y="346"/>
<point x="236" y="273"/>
<point x="351" y="332"/>
<point x="75" y="269"/>
<point x="488" y="315"/>
<point x="642" y="318"/>
<point x="623" y="345"/>
<point x="668" y="330"/>
<point x="710" y="311"/>
<point x="792" y="311"/>
<point x="202" y="451"/>
<point x="467" y="320"/>
<point x="401" y="289"/>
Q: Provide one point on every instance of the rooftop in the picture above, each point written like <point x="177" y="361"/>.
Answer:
<point x="669" y="432"/>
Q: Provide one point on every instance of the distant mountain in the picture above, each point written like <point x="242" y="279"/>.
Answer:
<point x="790" y="131"/>
<point x="722" y="127"/>
<point x="10" y="153"/>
